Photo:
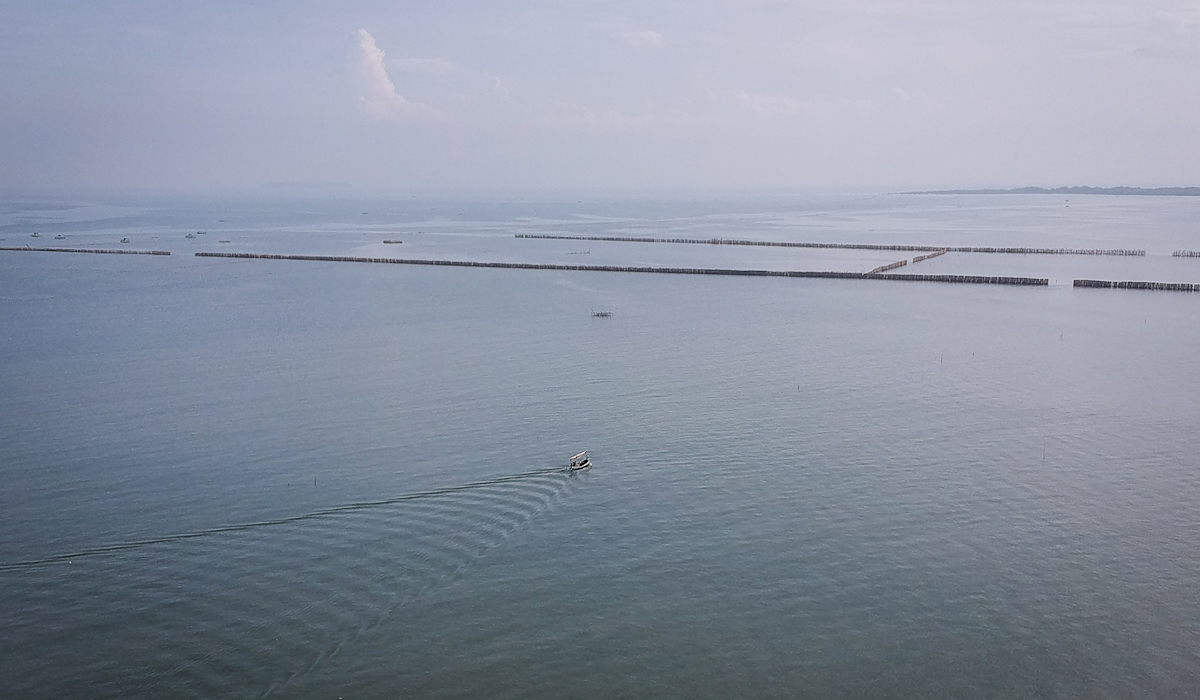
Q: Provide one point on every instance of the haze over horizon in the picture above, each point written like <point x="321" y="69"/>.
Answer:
<point x="714" y="94"/>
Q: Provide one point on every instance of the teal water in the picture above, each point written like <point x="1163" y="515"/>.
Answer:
<point x="803" y="488"/>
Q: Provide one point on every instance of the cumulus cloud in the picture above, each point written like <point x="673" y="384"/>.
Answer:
<point x="424" y="66"/>
<point x="377" y="93"/>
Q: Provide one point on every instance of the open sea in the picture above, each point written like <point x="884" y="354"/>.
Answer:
<point x="227" y="478"/>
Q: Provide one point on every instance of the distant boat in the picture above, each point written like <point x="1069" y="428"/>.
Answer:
<point x="124" y="240"/>
<point x="201" y="233"/>
<point x="190" y="235"/>
<point x="602" y="314"/>
<point x="393" y="242"/>
<point x="36" y="235"/>
<point x="60" y="237"/>
<point x="579" y="462"/>
<point x="223" y="240"/>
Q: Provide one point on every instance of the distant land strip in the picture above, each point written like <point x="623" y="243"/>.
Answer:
<point x="959" y="279"/>
<point x="1186" y="254"/>
<point x="89" y="250"/>
<point x="843" y="246"/>
<point x="1152" y="191"/>
<point x="1156" y="286"/>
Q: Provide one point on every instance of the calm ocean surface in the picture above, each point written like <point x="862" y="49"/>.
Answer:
<point x="248" y="478"/>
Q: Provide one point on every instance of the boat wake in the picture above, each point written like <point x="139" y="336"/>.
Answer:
<point x="214" y="612"/>
<point x="135" y="544"/>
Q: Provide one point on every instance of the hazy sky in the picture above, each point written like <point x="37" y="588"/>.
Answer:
<point x="710" y="94"/>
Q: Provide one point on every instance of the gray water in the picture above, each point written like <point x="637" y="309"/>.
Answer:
<point x="803" y="488"/>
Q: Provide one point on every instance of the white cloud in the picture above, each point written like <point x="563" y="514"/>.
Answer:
<point x="424" y="66"/>
<point x="644" y="37"/>
<point x="377" y="93"/>
<point x="575" y="115"/>
<point x="500" y="88"/>
<point x="773" y="105"/>
<point x="919" y="101"/>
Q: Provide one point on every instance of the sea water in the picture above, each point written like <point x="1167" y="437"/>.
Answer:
<point x="249" y="478"/>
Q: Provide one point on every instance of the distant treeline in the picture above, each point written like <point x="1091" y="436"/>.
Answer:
<point x="842" y="246"/>
<point x="1153" y="191"/>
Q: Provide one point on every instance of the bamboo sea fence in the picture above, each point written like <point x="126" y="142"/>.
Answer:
<point x="817" y="274"/>
<point x="885" y="268"/>
<point x="877" y="273"/>
<point x="929" y="256"/>
<point x="1186" y="254"/>
<point x="102" y="251"/>
<point x="840" y="246"/>
<point x="1154" y="286"/>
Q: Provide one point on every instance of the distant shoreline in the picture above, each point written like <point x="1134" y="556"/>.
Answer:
<point x="1154" y="192"/>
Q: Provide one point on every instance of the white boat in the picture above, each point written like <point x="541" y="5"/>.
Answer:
<point x="60" y="237"/>
<point x="579" y="461"/>
<point x="190" y="235"/>
<point x="124" y="240"/>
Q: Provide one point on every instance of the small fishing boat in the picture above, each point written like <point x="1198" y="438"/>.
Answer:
<point x="60" y="237"/>
<point x="124" y="240"/>
<point x="190" y="235"/>
<point x="35" y="234"/>
<point x="579" y="461"/>
<point x="602" y="314"/>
